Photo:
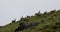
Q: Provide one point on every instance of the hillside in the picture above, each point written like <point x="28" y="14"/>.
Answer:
<point x="46" y="22"/>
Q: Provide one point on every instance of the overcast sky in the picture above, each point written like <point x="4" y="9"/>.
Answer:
<point x="11" y="9"/>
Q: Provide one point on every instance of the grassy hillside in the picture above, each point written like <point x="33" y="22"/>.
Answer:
<point x="49" y="22"/>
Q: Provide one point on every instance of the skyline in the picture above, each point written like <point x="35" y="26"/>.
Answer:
<point x="14" y="9"/>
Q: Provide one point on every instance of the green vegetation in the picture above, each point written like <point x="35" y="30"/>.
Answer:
<point x="50" y="23"/>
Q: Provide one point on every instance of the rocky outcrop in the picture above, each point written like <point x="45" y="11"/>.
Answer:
<point x="26" y="26"/>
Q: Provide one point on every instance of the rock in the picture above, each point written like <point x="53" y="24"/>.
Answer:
<point x="26" y="25"/>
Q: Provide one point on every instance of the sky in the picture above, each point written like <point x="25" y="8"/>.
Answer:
<point x="15" y="9"/>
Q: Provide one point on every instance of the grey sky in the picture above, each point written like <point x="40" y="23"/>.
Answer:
<point x="11" y="9"/>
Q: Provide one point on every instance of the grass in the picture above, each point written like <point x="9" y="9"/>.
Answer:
<point x="49" y="20"/>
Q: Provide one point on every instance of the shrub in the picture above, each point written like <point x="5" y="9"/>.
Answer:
<point x="13" y="21"/>
<point x="38" y="14"/>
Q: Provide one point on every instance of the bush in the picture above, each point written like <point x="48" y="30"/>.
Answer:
<point x="13" y="21"/>
<point x="38" y="14"/>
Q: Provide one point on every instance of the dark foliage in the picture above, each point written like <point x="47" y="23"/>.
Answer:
<point x="53" y="11"/>
<point x="1" y="26"/>
<point x="13" y="21"/>
<point x="38" y="14"/>
<point x="56" y="26"/>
